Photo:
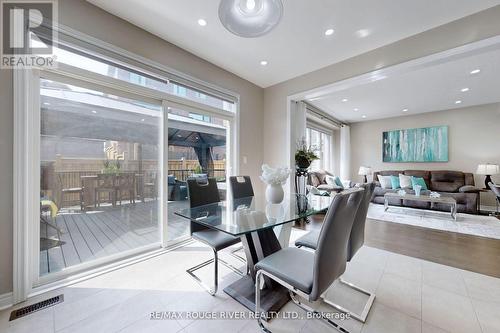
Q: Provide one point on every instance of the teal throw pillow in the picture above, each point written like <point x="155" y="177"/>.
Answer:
<point x="395" y="182"/>
<point x="418" y="181"/>
<point x="338" y="182"/>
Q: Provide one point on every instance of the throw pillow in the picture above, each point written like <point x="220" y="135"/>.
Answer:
<point x="346" y="183"/>
<point x="405" y="181"/>
<point x="338" y="182"/>
<point x="418" y="181"/>
<point x="330" y="180"/>
<point x="385" y="181"/>
<point x="394" y="182"/>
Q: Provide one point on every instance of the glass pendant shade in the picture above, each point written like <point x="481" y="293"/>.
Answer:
<point x="250" y="18"/>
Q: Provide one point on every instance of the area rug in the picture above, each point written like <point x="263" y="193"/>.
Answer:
<point x="477" y="225"/>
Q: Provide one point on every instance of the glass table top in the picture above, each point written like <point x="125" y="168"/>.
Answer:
<point x="245" y="215"/>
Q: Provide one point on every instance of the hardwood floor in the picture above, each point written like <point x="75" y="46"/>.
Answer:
<point x="472" y="253"/>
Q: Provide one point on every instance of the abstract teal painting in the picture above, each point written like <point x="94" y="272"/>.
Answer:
<point x="429" y="144"/>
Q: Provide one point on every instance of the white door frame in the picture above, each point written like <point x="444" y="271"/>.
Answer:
<point x="27" y="169"/>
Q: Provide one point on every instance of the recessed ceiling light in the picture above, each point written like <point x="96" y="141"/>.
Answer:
<point x="464" y="90"/>
<point x="363" y="116"/>
<point x="329" y="32"/>
<point x="356" y="109"/>
<point x="458" y="102"/>
<point x="362" y="33"/>
<point x="142" y="119"/>
<point x="476" y="71"/>
<point x="46" y="103"/>
<point x="169" y="108"/>
<point x="345" y="100"/>
<point x="202" y="22"/>
<point x="405" y="110"/>
<point x="94" y="111"/>
<point x="263" y="63"/>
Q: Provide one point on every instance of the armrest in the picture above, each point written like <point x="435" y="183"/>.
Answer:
<point x="468" y="189"/>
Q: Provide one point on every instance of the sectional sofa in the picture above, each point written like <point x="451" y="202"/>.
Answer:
<point x="456" y="184"/>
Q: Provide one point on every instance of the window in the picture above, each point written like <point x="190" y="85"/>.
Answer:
<point x="93" y="64"/>
<point x="322" y="141"/>
<point x="99" y="144"/>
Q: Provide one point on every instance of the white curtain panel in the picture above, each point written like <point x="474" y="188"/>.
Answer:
<point x="345" y="152"/>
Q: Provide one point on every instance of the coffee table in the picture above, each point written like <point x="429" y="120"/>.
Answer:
<point x="425" y="198"/>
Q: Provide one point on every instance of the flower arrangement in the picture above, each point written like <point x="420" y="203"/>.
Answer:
<point x="274" y="176"/>
<point x="305" y="154"/>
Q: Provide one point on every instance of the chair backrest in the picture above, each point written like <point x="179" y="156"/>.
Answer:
<point x="330" y="257"/>
<point x="241" y="186"/>
<point x="357" y="238"/>
<point x="202" y="192"/>
<point x="495" y="189"/>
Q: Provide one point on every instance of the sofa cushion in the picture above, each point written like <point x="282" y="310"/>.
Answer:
<point x="404" y="181"/>
<point x="385" y="181"/>
<point x="418" y="181"/>
<point x="426" y="175"/>
<point x="447" y="181"/>
<point x="329" y="188"/>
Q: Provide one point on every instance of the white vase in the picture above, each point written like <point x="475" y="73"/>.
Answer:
<point x="417" y="189"/>
<point x="274" y="193"/>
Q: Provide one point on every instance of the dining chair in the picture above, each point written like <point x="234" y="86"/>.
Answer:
<point x="241" y="186"/>
<point x="496" y="191"/>
<point x="309" y="274"/>
<point x="356" y="241"/>
<point x="204" y="192"/>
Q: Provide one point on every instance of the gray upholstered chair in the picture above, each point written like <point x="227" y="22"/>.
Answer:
<point x="309" y="274"/>
<point x="241" y="186"/>
<point x="203" y="192"/>
<point x="496" y="191"/>
<point x="356" y="241"/>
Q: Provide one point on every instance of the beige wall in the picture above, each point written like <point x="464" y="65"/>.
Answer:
<point x="93" y="21"/>
<point x="473" y="138"/>
<point x="6" y="120"/>
<point x="469" y="29"/>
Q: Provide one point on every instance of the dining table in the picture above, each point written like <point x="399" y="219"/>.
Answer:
<point x="254" y="221"/>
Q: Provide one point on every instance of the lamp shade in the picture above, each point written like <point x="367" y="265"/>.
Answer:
<point x="363" y="171"/>
<point x="488" y="169"/>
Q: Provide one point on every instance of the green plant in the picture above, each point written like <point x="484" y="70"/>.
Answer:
<point x="111" y="167"/>
<point x="305" y="153"/>
<point x="198" y="170"/>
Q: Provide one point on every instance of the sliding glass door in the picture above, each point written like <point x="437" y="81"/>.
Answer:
<point x="197" y="148"/>
<point x="100" y="166"/>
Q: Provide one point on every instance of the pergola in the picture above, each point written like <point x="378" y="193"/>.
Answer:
<point x="86" y="115"/>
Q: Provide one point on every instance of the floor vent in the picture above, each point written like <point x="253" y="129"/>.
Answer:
<point x="36" y="307"/>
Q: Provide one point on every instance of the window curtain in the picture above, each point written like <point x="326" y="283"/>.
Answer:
<point x="345" y="152"/>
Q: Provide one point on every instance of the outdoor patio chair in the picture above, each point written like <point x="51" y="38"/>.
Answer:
<point x="125" y="183"/>
<point x="66" y="190"/>
<point x="106" y="183"/>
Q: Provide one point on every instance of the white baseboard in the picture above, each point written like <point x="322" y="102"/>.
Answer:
<point x="6" y="300"/>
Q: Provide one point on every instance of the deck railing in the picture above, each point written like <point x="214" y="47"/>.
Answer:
<point x="73" y="179"/>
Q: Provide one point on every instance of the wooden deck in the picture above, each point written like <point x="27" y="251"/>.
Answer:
<point x="105" y="231"/>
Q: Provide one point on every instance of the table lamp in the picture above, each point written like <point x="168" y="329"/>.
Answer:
<point x="364" y="171"/>
<point x="487" y="170"/>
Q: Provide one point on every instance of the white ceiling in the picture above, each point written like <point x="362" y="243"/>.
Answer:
<point x="433" y="88"/>
<point x="298" y="45"/>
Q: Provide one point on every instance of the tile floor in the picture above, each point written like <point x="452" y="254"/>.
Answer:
<point x="412" y="296"/>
